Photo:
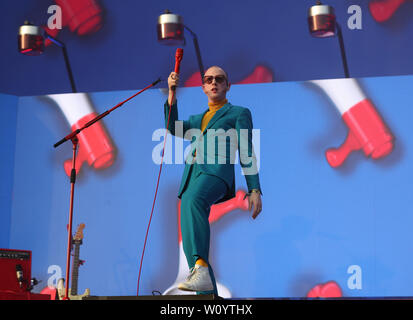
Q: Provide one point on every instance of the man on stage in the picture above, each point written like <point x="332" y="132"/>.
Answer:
<point x="209" y="175"/>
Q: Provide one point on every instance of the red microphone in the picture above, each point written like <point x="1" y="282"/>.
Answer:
<point x="178" y="57"/>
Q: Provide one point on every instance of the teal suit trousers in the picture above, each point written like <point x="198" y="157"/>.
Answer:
<point x="200" y="193"/>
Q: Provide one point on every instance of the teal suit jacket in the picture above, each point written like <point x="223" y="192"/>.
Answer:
<point x="214" y="149"/>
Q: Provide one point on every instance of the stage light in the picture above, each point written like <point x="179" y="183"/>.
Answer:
<point x="31" y="42"/>
<point x="322" y="23"/>
<point x="170" y="29"/>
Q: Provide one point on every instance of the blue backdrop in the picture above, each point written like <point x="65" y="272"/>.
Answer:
<point x="8" y="111"/>
<point x="317" y="222"/>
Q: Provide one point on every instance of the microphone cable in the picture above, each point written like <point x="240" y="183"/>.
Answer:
<point x="178" y="58"/>
<point x="156" y="192"/>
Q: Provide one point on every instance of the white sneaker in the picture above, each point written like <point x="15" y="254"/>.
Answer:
<point x="198" y="280"/>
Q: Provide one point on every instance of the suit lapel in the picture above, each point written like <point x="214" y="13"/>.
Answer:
<point x="198" y="120"/>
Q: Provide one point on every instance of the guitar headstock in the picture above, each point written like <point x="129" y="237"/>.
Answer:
<point x="79" y="233"/>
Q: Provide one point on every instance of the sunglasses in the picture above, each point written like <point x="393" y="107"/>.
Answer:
<point x="218" y="79"/>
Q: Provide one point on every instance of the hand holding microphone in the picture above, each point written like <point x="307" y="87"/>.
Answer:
<point x="173" y="79"/>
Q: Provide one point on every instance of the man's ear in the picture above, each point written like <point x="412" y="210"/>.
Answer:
<point x="228" y="86"/>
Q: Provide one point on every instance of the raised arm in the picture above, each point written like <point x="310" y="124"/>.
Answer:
<point x="172" y="107"/>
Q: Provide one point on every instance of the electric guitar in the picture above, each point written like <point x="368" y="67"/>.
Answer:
<point x="73" y="295"/>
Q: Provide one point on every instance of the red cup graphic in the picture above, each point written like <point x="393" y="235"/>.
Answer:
<point x="367" y="129"/>
<point x="95" y="146"/>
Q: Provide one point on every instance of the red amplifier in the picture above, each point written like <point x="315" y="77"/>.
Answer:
<point x="15" y="270"/>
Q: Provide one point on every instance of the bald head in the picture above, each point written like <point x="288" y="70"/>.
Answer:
<point x="217" y="85"/>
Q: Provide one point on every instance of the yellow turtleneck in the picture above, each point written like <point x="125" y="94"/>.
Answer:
<point x="213" y="108"/>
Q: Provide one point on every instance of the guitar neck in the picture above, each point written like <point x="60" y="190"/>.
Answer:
<point x="75" y="269"/>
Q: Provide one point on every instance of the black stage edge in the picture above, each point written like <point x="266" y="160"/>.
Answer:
<point x="158" y="297"/>
<point x="212" y="297"/>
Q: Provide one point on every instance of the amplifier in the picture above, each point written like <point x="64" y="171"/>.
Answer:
<point x="15" y="270"/>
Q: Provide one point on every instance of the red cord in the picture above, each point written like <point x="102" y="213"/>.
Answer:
<point x="154" y="199"/>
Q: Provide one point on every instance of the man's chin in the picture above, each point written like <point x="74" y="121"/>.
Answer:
<point x="216" y="97"/>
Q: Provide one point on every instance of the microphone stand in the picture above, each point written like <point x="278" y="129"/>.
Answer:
<point x="197" y="51"/>
<point x="73" y="137"/>
<point x="66" y="57"/>
<point x="342" y="51"/>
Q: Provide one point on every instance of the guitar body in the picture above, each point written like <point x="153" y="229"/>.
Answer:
<point x="79" y="296"/>
<point x="61" y="292"/>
